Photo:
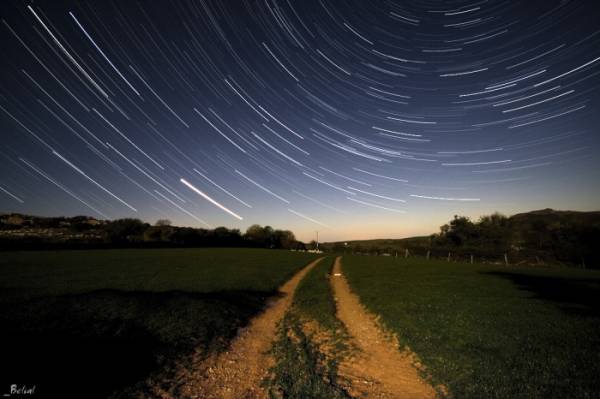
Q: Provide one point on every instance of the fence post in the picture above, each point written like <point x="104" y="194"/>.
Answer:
<point x="427" y="254"/>
<point x="471" y="258"/>
<point x="448" y="256"/>
<point x="506" y="259"/>
<point x="406" y="254"/>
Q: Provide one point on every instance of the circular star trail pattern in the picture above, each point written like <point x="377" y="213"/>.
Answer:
<point x="304" y="114"/>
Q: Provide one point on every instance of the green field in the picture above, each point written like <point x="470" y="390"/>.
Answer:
<point x="68" y="314"/>
<point x="482" y="331"/>
<point x="490" y="332"/>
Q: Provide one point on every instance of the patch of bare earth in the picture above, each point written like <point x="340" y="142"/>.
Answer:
<point x="238" y="372"/>
<point x="378" y="368"/>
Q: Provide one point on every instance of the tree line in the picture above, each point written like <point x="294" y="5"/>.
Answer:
<point x="568" y="237"/>
<point x="545" y="236"/>
<point x="28" y="232"/>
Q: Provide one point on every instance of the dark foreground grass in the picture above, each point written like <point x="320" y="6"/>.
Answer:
<point x="490" y="332"/>
<point x="92" y="323"/>
<point x="303" y="370"/>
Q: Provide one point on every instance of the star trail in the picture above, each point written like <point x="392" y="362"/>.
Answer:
<point x="358" y="119"/>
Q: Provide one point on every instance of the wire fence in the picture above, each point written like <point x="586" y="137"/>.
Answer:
<point x="509" y="258"/>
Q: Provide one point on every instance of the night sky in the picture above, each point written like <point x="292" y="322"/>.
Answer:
<point x="359" y="119"/>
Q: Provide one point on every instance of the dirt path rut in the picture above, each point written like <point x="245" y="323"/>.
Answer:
<point x="378" y="369"/>
<point x="238" y="372"/>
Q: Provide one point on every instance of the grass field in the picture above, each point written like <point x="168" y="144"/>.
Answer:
<point x="482" y="331"/>
<point x="490" y="332"/>
<point x="68" y="314"/>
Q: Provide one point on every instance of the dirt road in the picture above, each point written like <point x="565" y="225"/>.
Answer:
<point x="378" y="369"/>
<point x="238" y="372"/>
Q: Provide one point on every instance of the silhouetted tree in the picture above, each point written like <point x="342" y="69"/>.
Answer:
<point x="159" y="233"/>
<point x="284" y="239"/>
<point x="255" y="235"/>
<point x="124" y="230"/>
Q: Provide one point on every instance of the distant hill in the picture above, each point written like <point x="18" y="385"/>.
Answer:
<point x="551" y="216"/>
<point x="20" y="220"/>
<point x="381" y="243"/>
<point x="539" y="236"/>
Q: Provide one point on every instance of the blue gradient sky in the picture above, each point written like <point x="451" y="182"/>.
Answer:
<point x="356" y="119"/>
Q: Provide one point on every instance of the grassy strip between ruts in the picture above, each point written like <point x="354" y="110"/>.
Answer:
<point x="68" y="314"/>
<point x="490" y="332"/>
<point x="310" y="342"/>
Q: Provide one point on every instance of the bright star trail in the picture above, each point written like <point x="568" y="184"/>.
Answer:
<point x="358" y="119"/>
